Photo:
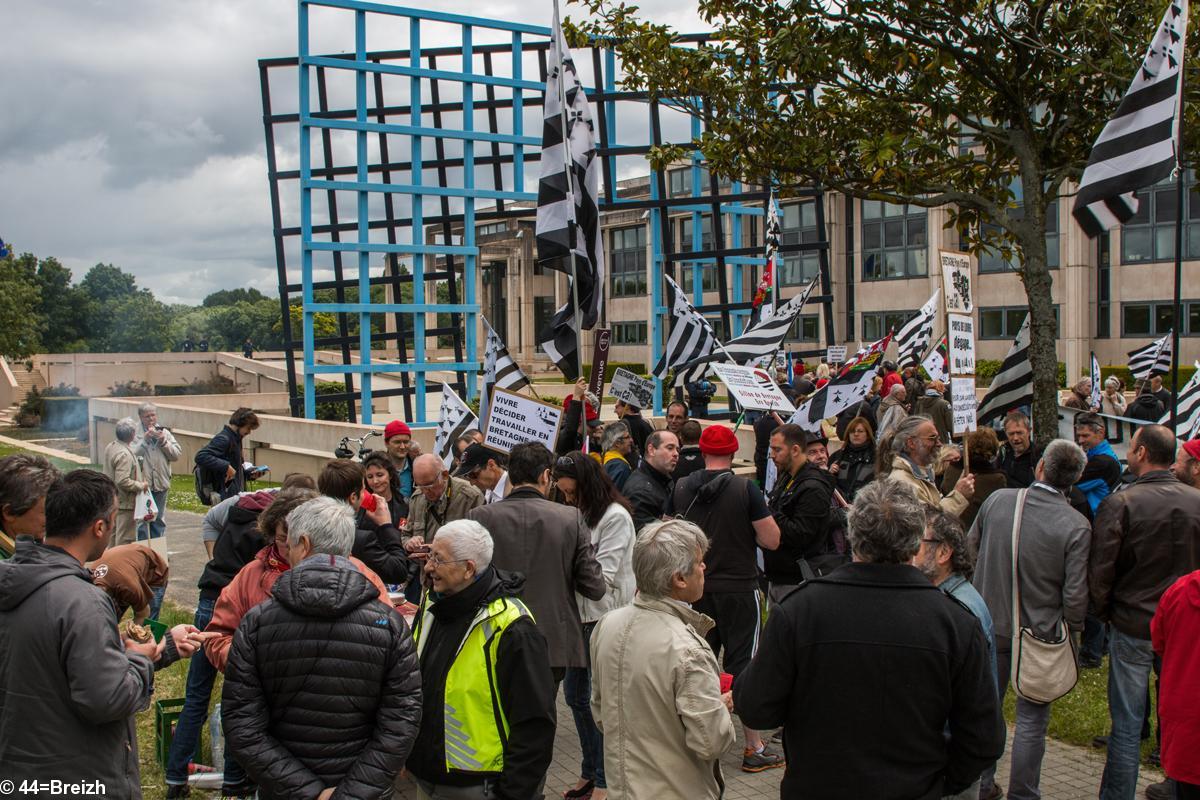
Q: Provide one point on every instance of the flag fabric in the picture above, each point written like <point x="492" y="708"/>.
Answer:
<point x="915" y="336"/>
<point x="845" y="389"/>
<point x="456" y="419"/>
<point x="937" y="363"/>
<point x="5" y="249"/>
<point x="1013" y="385"/>
<point x="691" y="338"/>
<point x="761" y="341"/>
<point x="1187" y="424"/>
<point x="1137" y="148"/>
<point x="1154" y="358"/>
<point x="568" y="216"/>
<point x="764" y="296"/>
<point x="1095" y="381"/>
<point x="499" y="369"/>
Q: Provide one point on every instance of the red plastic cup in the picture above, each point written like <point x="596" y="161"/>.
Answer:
<point x="726" y="682"/>
<point x="368" y="502"/>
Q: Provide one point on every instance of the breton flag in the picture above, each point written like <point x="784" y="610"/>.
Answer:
<point x="764" y="296"/>
<point x="914" y="337"/>
<point x="1151" y="359"/>
<point x="499" y="369"/>
<point x="1187" y="425"/>
<point x="691" y="338"/>
<point x="1095" y="381"/>
<point x="762" y="340"/>
<point x="937" y="363"/>
<point x="848" y="387"/>
<point x="1013" y="385"/>
<point x="455" y="420"/>
<point x="568" y="217"/>
<point x="1137" y="148"/>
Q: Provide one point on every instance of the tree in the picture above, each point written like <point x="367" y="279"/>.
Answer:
<point x="138" y="324"/>
<point x="987" y="108"/>
<point x="104" y="282"/>
<point x="19" y="300"/>
<point x="229" y="297"/>
<point x="63" y="308"/>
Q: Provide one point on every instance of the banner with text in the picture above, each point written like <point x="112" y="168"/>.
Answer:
<point x="956" y="282"/>
<point x="632" y="388"/>
<point x="961" y="344"/>
<point x="516" y="419"/>
<point x="963" y="404"/>
<point x="753" y="388"/>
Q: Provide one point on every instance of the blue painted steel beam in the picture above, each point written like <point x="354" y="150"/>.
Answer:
<point x="468" y="123"/>
<point x="310" y="401"/>
<point x="383" y="247"/>
<point x="408" y="188"/>
<point x="392" y="308"/>
<point x="415" y="130"/>
<point x="422" y="72"/>
<point x="364" y="234"/>
<point x="434" y="16"/>
<point x="418" y="369"/>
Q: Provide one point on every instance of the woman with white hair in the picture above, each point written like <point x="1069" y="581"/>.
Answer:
<point x="652" y="656"/>
<point x="123" y="466"/>
<point x="1112" y="400"/>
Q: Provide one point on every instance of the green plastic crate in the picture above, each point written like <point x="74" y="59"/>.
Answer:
<point x="166" y="714"/>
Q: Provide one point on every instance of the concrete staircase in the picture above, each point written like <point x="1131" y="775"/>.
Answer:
<point x="26" y="380"/>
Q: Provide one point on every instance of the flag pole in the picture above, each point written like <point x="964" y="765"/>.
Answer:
<point x="569" y="163"/>
<point x="1179" y="194"/>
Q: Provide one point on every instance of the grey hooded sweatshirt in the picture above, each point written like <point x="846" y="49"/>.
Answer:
<point x="68" y="689"/>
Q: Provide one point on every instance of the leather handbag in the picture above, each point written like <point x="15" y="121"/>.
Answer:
<point x="1043" y="670"/>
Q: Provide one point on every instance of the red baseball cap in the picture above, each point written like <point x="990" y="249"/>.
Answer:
<point x="1192" y="446"/>
<point x="717" y="440"/>
<point x="395" y="428"/>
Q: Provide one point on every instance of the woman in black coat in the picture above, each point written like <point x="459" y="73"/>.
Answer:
<point x="853" y="467"/>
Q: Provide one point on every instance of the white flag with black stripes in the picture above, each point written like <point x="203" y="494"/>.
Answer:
<point x="1187" y="424"/>
<point x="455" y="420"/>
<point x="692" y="338"/>
<point x="499" y="369"/>
<point x="917" y="333"/>
<point x="1013" y="385"/>
<point x="1153" y="359"/>
<point x="1139" y="145"/>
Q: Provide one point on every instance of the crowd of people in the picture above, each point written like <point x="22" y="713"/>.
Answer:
<point x="858" y="614"/>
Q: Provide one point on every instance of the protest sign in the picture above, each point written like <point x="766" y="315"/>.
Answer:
<point x="956" y="282"/>
<point x="961" y="339"/>
<point x="632" y="388"/>
<point x="835" y="354"/>
<point x="963" y="404"/>
<point x="753" y="388"/>
<point x="602" y="339"/>
<point x="516" y="419"/>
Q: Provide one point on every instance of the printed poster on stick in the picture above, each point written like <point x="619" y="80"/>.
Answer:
<point x="961" y="344"/>
<point x="963" y="404"/>
<point x="753" y="388"/>
<point x="603" y="337"/>
<point x="516" y="419"/>
<point x="956" y="282"/>
<point x="632" y="388"/>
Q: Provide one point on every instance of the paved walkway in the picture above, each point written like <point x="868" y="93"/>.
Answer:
<point x="1068" y="772"/>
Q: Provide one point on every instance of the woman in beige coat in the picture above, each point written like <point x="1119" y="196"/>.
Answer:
<point x="656" y="691"/>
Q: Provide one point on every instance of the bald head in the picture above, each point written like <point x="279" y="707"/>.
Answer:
<point x="426" y="468"/>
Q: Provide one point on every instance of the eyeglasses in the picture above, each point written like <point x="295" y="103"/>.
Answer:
<point x="423" y="486"/>
<point x="436" y="562"/>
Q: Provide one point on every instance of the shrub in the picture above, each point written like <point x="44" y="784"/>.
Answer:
<point x="130" y="389"/>
<point x="32" y="404"/>
<point x="334" y="410"/>
<point x="986" y="369"/>
<point x="1126" y="377"/>
<point x="218" y="384"/>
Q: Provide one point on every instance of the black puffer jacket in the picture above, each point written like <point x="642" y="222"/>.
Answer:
<point x="800" y="505"/>
<point x="647" y="490"/>
<point x="223" y="451"/>
<point x="322" y="687"/>
<point x="1146" y="407"/>
<point x="856" y="468"/>
<point x="381" y="549"/>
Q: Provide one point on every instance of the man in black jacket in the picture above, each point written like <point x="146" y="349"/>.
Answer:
<point x="881" y="681"/>
<point x="321" y="690"/>
<point x="377" y="541"/>
<point x="648" y="487"/>
<point x="480" y="649"/>
<point x="800" y="503"/>
<point x="690" y="458"/>
<point x="221" y="459"/>
<point x="639" y="428"/>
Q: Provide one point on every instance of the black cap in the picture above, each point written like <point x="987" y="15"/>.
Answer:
<point x="476" y="456"/>
<point x="812" y="437"/>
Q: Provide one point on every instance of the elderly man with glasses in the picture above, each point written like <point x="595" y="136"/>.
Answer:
<point x="907" y="454"/>
<point x="437" y="498"/>
<point x="488" y="718"/>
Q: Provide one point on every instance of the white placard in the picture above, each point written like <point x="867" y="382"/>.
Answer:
<point x="753" y="388"/>
<point x="632" y="388"/>
<point x="956" y="282"/>
<point x="963" y="404"/>
<point x="835" y="354"/>
<point x="961" y="343"/>
<point x="515" y="419"/>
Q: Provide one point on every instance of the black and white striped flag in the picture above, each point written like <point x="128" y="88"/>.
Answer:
<point x="456" y="419"/>
<point x="1013" y="385"/>
<point x="917" y="333"/>
<point x="762" y="340"/>
<point x="1188" y="424"/>
<point x="1096" y="382"/>
<point x="849" y="387"/>
<point x="1154" y="358"/>
<point x="1137" y="148"/>
<point x="691" y="338"/>
<point x="568" y="217"/>
<point x="499" y="369"/>
<point x="937" y="363"/>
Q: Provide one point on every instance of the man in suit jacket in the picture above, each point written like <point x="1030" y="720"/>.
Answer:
<point x="551" y="546"/>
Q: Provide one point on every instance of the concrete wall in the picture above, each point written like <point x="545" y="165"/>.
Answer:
<point x="95" y="373"/>
<point x="10" y="393"/>
<point x="252" y="375"/>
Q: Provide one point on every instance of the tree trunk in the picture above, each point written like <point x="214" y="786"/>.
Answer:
<point x="1042" y="335"/>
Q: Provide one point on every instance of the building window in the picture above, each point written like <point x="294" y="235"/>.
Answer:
<point x="893" y="241"/>
<point x="687" y="244"/>
<point x="543" y="310"/>
<point x="679" y="182"/>
<point x="1150" y="235"/>
<point x="1003" y="322"/>
<point x="628" y="258"/>
<point x="1156" y="319"/>
<point x="806" y="328"/>
<point x="799" y="226"/>
<point x="1103" y="286"/>
<point x="491" y="228"/>
<point x="992" y="260"/>
<point x="629" y="332"/>
<point x="876" y="325"/>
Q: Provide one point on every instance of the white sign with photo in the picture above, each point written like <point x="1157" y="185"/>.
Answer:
<point x="963" y="404"/>
<point x="961" y="343"/>
<point x="753" y="388"/>
<point x="515" y="419"/>
<point x="956" y="282"/>
<point x="632" y="388"/>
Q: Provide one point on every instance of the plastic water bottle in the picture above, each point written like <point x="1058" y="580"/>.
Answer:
<point x="217" y="737"/>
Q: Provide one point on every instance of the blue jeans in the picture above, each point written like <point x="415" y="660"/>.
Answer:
<point x="577" y="688"/>
<point x="200" y="678"/>
<point x="1095" y="640"/>
<point x="1129" y="663"/>
<point x="156" y="602"/>
<point x="155" y="527"/>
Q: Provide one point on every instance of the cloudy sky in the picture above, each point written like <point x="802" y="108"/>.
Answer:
<point x="131" y="131"/>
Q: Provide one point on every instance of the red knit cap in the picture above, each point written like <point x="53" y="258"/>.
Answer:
<point x="1193" y="448"/>
<point x="395" y="428"/>
<point x="717" y="440"/>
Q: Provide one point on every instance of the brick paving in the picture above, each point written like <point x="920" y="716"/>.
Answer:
<point x="1068" y="772"/>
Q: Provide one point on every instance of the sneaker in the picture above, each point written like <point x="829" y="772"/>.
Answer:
<point x="1161" y="791"/>
<point x="239" y="791"/>
<point x="777" y="737"/>
<point x="1100" y="742"/>
<point x="996" y="793"/>
<point x="1155" y="758"/>
<point x="178" y="790"/>
<point x="761" y="761"/>
<point x="1090" y="663"/>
